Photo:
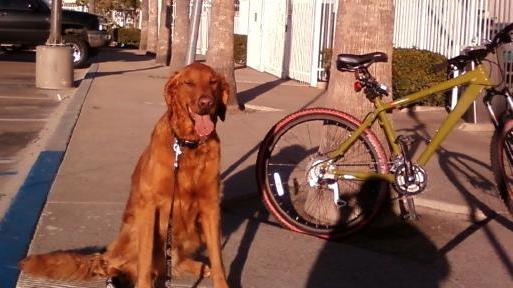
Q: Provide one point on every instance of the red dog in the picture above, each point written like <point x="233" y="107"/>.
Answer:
<point x="195" y="97"/>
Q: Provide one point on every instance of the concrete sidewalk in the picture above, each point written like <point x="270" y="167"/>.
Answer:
<point x="88" y="196"/>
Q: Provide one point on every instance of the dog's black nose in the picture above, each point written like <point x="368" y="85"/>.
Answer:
<point x="205" y="102"/>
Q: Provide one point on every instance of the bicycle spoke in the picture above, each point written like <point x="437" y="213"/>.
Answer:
<point x="293" y="151"/>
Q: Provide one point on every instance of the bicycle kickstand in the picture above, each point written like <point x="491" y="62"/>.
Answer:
<point x="408" y="208"/>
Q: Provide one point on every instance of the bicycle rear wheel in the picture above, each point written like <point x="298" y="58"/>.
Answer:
<point x="501" y="153"/>
<point x="285" y="160"/>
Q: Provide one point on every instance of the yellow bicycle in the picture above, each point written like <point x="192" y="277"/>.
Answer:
<point x="324" y="172"/>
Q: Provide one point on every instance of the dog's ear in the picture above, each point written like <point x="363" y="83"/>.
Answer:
<point x="170" y="88"/>
<point x="224" y="92"/>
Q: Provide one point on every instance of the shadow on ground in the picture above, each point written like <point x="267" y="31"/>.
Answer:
<point x="367" y="259"/>
<point x="463" y="170"/>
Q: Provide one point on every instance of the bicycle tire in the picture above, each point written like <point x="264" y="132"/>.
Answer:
<point x="501" y="154"/>
<point x="364" y="199"/>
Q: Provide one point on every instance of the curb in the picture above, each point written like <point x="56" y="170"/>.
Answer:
<point x="20" y="221"/>
<point x="477" y="127"/>
<point x="62" y="134"/>
<point x="474" y="214"/>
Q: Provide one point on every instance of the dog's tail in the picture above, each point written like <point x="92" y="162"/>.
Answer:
<point x="63" y="265"/>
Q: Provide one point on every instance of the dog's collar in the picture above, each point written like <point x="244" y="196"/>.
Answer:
<point x="193" y="144"/>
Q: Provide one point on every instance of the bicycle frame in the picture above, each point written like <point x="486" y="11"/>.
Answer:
<point x="477" y="80"/>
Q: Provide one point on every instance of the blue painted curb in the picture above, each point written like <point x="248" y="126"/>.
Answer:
<point x="19" y="223"/>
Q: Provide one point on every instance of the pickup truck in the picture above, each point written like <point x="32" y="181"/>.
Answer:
<point x="26" y="23"/>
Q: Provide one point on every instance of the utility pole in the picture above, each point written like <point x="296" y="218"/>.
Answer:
<point x="54" y="61"/>
<point x="193" y="31"/>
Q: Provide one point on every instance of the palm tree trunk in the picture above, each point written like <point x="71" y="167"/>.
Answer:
<point x="91" y="6"/>
<point x="220" y="45"/>
<point x="143" y="42"/>
<point x="180" y="35"/>
<point x="164" y="35"/>
<point x="363" y="26"/>
<point x="152" y="26"/>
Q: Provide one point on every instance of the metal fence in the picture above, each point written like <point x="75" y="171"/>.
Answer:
<point x="442" y="26"/>
<point x="327" y="23"/>
<point x="449" y="26"/>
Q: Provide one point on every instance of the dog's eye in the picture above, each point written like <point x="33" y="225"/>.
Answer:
<point x="189" y="83"/>
<point x="213" y="82"/>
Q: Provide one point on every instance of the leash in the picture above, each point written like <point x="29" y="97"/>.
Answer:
<point x="169" y="236"/>
<point x="177" y="148"/>
<point x="178" y="143"/>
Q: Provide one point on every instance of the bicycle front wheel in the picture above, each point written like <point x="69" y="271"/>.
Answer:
<point x="501" y="152"/>
<point x="289" y="152"/>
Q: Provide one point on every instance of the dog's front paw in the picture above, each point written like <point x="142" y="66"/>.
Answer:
<point x="193" y="267"/>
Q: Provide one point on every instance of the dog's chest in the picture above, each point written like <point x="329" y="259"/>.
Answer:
<point x="196" y="166"/>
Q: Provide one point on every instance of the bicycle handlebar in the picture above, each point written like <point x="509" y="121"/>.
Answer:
<point x="503" y="37"/>
<point x="477" y="55"/>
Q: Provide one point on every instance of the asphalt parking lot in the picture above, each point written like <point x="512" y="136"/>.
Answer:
<point x="24" y="113"/>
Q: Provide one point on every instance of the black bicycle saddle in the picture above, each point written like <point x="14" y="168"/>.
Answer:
<point x="350" y="62"/>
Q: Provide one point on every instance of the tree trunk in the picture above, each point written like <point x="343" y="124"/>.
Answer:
<point x="220" y="45"/>
<point x="164" y="35"/>
<point x="91" y="6"/>
<point x="180" y="35"/>
<point x="152" y="26"/>
<point x="143" y="42"/>
<point x="363" y="26"/>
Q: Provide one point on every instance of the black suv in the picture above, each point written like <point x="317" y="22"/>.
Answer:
<point x="27" y="23"/>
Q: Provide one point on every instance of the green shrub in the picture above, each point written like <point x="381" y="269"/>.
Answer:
<point x="240" y="48"/>
<point x="127" y="37"/>
<point x="412" y="70"/>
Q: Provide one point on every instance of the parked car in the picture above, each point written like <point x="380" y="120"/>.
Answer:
<point x="26" y="23"/>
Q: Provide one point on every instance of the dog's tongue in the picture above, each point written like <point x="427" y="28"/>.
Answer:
<point x="203" y="124"/>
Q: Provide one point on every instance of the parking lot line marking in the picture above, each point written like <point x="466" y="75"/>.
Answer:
<point x="262" y="108"/>
<point x="7" y="160"/>
<point x="23" y="120"/>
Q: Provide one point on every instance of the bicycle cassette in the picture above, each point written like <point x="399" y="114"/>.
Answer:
<point x="416" y="184"/>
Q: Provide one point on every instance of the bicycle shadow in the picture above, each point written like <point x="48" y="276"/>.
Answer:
<point x="462" y="170"/>
<point x="388" y="253"/>
<point x="359" y="261"/>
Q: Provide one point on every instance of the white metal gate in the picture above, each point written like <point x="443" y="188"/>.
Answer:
<point x="254" y="42"/>
<point x="274" y="20"/>
<point x="299" y="55"/>
<point x="286" y="37"/>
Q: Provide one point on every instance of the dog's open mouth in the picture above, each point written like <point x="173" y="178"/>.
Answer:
<point x="203" y="124"/>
